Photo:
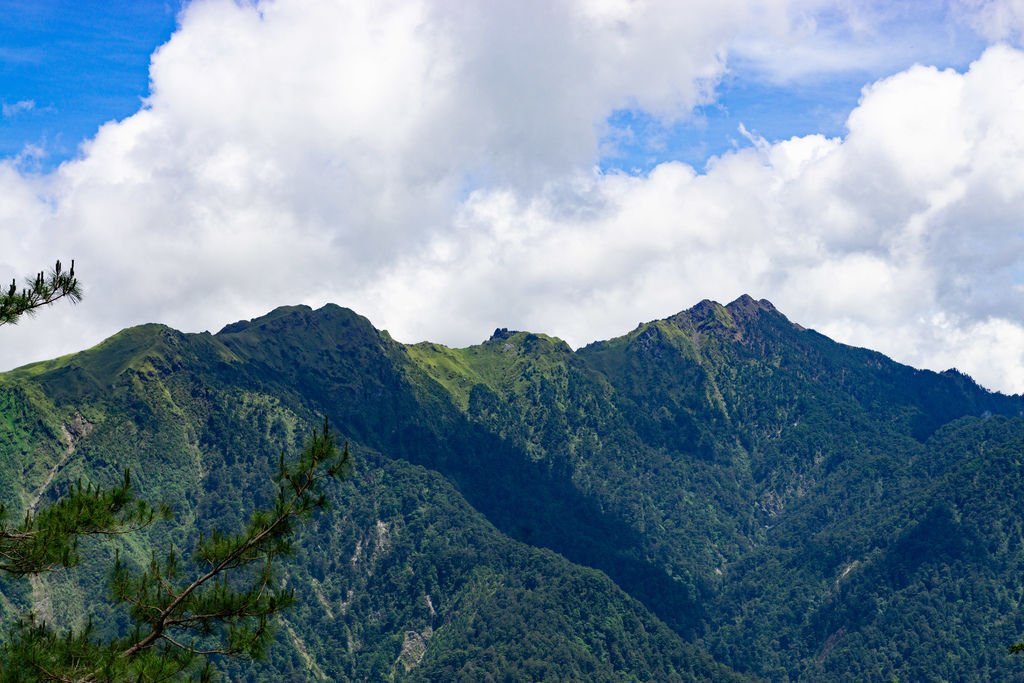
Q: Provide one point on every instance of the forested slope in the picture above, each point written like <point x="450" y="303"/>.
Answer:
<point x="402" y="579"/>
<point x="722" y="481"/>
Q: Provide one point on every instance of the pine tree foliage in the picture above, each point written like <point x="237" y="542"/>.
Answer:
<point x="42" y="290"/>
<point x="217" y="601"/>
<point x="48" y="538"/>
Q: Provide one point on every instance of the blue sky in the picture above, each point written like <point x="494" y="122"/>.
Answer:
<point x="805" y="98"/>
<point x="79" y="64"/>
<point x="446" y="168"/>
<point x="773" y="111"/>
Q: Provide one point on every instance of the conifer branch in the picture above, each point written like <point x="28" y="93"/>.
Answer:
<point x="42" y="290"/>
<point x="226" y="610"/>
<point x="48" y="538"/>
<point x="267" y="536"/>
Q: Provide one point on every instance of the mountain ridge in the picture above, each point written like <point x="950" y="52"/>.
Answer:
<point x="702" y="312"/>
<point x="749" y="482"/>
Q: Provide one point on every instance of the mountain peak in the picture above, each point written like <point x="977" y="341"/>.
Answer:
<point x="527" y="341"/>
<point x="747" y="308"/>
<point x="301" y="312"/>
<point x="735" y="320"/>
<point x="748" y="304"/>
<point x="279" y="312"/>
<point x="502" y="333"/>
<point x="743" y="307"/>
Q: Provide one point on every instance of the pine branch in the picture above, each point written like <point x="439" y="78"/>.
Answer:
<point x="268" y="536"/>
<point x="49" y="537"/>
<point x="225" y="610"/>
<point x="43" y="290"/>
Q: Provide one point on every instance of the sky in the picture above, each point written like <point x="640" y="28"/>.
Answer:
<point x="571" y="167"/>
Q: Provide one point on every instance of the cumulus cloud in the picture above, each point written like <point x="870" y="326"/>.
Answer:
<point x="904" y="236"/>
<point x="431" y="166"/>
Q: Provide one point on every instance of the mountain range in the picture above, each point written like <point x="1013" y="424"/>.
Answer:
<point x="719" y="495"/>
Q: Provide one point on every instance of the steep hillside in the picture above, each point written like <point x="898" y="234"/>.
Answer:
<point x="722" y="481"/>
<point x="403" y="580"/>
<point x="758" y="466"/>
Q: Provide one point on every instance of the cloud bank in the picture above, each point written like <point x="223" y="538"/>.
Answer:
<point x="431" y="165"/>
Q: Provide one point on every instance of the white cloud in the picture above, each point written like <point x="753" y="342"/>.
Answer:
<point x="995" y="19"/>
<point x="12" y="110"/>
<point x="905" y="236"/>
<point x="291" y="150"/>
<point x="428" y="164"/>
<point x="829" y="38"/>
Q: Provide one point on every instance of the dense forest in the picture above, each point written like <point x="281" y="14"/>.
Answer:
<point x="719" y="495"/>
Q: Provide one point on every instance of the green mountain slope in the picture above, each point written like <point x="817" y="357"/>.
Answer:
<point x="722" y="481"/>
<point x="404" y="580"/>
<point x="756" y="462"/>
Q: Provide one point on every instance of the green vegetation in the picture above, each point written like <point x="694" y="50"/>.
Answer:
<point x="218" y="600"/>
<point x="42" y="290"/>
<point x="223" y="607"/>
<point x="721" y="487"/>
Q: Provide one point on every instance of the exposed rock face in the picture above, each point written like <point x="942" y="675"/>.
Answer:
<point x="413" y="648"/>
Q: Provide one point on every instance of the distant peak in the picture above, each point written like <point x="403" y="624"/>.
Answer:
<point x="528" y="342"/>
<point x="705" y="305"/>
<point x="286" y="310"/>
<point x="733" y="318"/>
<point x="331" y="313"/>
<point x="745" y="302"/>
<point x="501" y="333"/>
<point x="278" y="312"/>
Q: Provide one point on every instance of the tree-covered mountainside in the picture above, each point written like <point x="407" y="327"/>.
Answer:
<point x="722" y="488"/>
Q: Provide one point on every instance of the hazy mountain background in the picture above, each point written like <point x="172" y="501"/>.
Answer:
<point x="720" y="493"/>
